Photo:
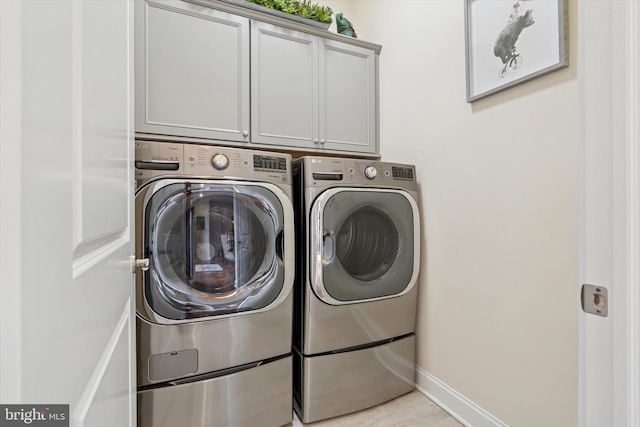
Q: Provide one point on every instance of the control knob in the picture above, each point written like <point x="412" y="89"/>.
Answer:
<point x="220" y="161"/>
<point x="370" y="172"/>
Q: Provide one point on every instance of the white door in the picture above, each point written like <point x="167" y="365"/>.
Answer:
<point x="609" y="70"/>
<point x="66" y="289"/>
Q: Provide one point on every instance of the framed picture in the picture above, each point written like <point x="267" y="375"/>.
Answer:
<point x="509" y="42"/>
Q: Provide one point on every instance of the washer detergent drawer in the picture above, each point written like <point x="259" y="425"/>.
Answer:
<point x="259" y="396"/>
<point x="337" y="384"/>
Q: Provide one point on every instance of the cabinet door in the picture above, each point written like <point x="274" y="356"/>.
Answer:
<point x="284" y="88"/>
<point x="192" y="71"/>
<point x="347" y="97"/>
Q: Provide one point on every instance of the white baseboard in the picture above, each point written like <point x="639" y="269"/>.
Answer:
<point x="458" y="406"/>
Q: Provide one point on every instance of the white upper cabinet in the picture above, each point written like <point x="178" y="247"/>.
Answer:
<point x="192" y="71"/>
<point x="347" y="97"/>
<point x="226" y="76"/>
<point x="311" y="93"/>
<point x="284" y="86"/>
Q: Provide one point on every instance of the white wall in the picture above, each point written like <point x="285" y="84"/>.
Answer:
<point x="499" y="182"/>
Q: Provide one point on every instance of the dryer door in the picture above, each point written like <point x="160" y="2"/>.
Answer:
<point x="214" y="248"/>
<point x="364" y="243"/>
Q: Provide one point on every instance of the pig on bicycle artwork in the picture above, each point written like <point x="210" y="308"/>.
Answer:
<point x="509" y="42"/>
<point x="505" y="44"/>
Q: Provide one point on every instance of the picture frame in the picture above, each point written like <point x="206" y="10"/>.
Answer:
<point x="510" y="42"/>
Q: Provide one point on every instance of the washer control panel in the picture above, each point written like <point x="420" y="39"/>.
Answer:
<point x="163" y="159"/>
<point x="269" y="163"/>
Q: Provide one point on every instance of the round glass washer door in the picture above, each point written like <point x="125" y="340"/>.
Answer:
<point x="364" y="244"/>
<point x="213" y="249"/>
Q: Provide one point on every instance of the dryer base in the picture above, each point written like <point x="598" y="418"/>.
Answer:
<point x="256" y="396"/>
<point x="330" y="385"/>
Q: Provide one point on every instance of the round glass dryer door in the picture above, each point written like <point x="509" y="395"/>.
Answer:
<point x="364" y="244"/>
<point x="213" y="249"/>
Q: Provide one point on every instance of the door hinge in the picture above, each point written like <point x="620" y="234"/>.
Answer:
<point x="595" y="300"/>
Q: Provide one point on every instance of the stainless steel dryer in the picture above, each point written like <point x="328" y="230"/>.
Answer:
<point x="358" y="230"/>
<point x="214" y="308"/>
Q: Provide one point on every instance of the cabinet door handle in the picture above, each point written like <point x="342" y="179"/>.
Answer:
<point x="322" y="141"/>
<point x="245" y="133"/>
<point x="316" y="140"/>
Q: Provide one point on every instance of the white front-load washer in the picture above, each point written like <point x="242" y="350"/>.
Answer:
<point x="214" y="308"/>
<point x="358" y="234"/>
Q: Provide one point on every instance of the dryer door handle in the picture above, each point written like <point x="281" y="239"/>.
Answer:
<point x="328" y="246"/>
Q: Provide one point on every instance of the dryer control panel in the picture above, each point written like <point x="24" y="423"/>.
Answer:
<point x="330" y="171"/>
<point x="155" y="160"/>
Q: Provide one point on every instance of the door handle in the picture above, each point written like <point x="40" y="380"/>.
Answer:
<point x="280" y="245"/>
<point x="328" y="247"/>
<point x="142" y="264"/>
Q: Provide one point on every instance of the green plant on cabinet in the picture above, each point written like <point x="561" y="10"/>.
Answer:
<point x="301" y="8"/>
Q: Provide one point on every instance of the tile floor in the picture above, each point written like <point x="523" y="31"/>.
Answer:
<point x="410" y="410"/>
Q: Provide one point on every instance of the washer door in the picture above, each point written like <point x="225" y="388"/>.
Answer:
<point x="365" y="244"/>
<point x="214" y="248"/>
